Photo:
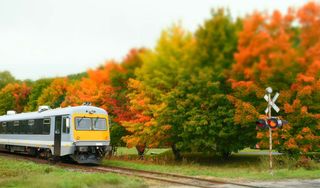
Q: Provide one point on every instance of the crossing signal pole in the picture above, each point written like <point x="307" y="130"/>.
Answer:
<point x="270" y="122"/>
<point x="271" y="104"/>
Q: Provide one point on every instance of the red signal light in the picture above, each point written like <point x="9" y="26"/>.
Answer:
<point x="261" y="124"/>
<point x="273" y="123"/>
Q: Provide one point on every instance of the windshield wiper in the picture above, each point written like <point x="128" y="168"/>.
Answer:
<point x="79" y="120"/>
<point x="95" y="122"/>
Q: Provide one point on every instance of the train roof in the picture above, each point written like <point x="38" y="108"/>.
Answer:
<point x="53" y="112"/>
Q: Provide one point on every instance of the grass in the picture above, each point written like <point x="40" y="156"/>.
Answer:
<point x="239" y="167"/>
<point x="28" y="174"/>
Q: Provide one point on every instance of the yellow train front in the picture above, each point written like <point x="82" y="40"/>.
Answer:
<point x="81" y="133"/>
<point x="91" y="136"/>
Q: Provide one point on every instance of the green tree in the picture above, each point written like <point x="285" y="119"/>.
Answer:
<point x="36" y="91"/>
<point x="157" y="76"/>
<point x="217" y="41"/>
<point x="201" y="114"/>
<point x="203" y="117"/>
<point x="6" y="78"/>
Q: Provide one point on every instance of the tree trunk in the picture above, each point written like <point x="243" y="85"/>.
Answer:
<point x="226" y="155"/>
<point x="141" y="149"/>
<point x="176" y="153"/>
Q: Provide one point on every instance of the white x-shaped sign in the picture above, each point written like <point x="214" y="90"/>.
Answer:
<point x="274" y="106"/>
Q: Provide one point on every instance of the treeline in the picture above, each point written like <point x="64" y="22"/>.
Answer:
<point x="202" y="91"/>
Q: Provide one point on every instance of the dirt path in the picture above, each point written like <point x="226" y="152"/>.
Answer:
<point x="288" y="183"/>
<point x="263" y="184"/>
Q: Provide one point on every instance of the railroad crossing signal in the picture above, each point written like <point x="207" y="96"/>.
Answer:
<point x="272" y="102"/>
<point x="273" y="122"/>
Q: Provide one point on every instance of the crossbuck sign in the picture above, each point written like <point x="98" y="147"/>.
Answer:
<point x="272" y="102"/>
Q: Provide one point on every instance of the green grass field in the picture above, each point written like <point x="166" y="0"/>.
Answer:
<point x="238" y="167"/>
<point x="28" y="174"/>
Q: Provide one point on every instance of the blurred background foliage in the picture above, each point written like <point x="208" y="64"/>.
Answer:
<point x="201" y="91"/>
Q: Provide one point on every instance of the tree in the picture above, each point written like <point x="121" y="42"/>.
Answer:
<point x="55" y="93"/>
<point x="198" y="106"/>
<point x="119" y="81"/>
<point x="216" y="41"/>
<point x="206" y="117"/>
<point x="95" y="88"/>
<point x="274" y="52"/>
<point x="5" y="78"/>
<point x="301" y="135"/>
<point x="37" y="90"/>
<point x="13" y="97"/>
<point x="143" y="126"/>
<point x="158" y="75"/>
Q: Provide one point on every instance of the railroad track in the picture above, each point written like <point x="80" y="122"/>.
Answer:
<point x="171" y="178"/>
<point x="158" y="176"/>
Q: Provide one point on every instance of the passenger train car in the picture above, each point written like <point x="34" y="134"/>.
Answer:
<point x="80" y="132"/>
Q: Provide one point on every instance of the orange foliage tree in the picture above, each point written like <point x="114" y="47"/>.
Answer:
<point x="273" y="52"/>
<point x="95" y="88"/>
<point x="55" y="93"/>
<point x="14" y="96"/>
<point x="143" y="126"/>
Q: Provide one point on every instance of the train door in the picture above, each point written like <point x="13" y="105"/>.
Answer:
<point x="57" y="136"/>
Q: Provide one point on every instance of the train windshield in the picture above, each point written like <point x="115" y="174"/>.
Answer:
<point x="99" y="124"/>
<point x="95" y="123"/>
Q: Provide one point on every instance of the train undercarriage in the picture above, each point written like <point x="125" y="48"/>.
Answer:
<point x="90" y="154"/>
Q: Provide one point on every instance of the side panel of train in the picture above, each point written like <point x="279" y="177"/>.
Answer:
<point x="63" y="132"/>
<point x="36" y="133"/>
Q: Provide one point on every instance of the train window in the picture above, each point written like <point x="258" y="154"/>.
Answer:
<point x="38" y="126"/>
<point x="83" y="123"/>
<point x="46" y="121"/>
<point x="31" y="122"/>
<point x="16" y="123"/>
<point x="10" y="127"/>
<point x="99" y="124"/>
<point x="3" y="127"/>
<point x="23" y="126"/>
<point x="66" y="125"/>
<point x="16" y="127"/>
<point x="46" y="126"/>
<point x="30" y="126"/>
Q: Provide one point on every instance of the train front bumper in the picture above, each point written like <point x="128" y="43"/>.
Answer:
<point x="90" y="151"/>
<point x="92" y="143"/>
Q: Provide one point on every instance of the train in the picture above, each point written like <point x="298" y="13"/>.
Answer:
<point x="80" y="133"/>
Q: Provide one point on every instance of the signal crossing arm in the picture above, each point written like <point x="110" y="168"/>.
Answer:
<point x="272" y="102"/>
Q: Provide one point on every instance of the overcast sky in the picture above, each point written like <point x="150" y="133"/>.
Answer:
<point x="43" y="38"/>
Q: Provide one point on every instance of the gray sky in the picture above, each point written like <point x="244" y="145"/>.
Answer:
<point x="46" y="38"/>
